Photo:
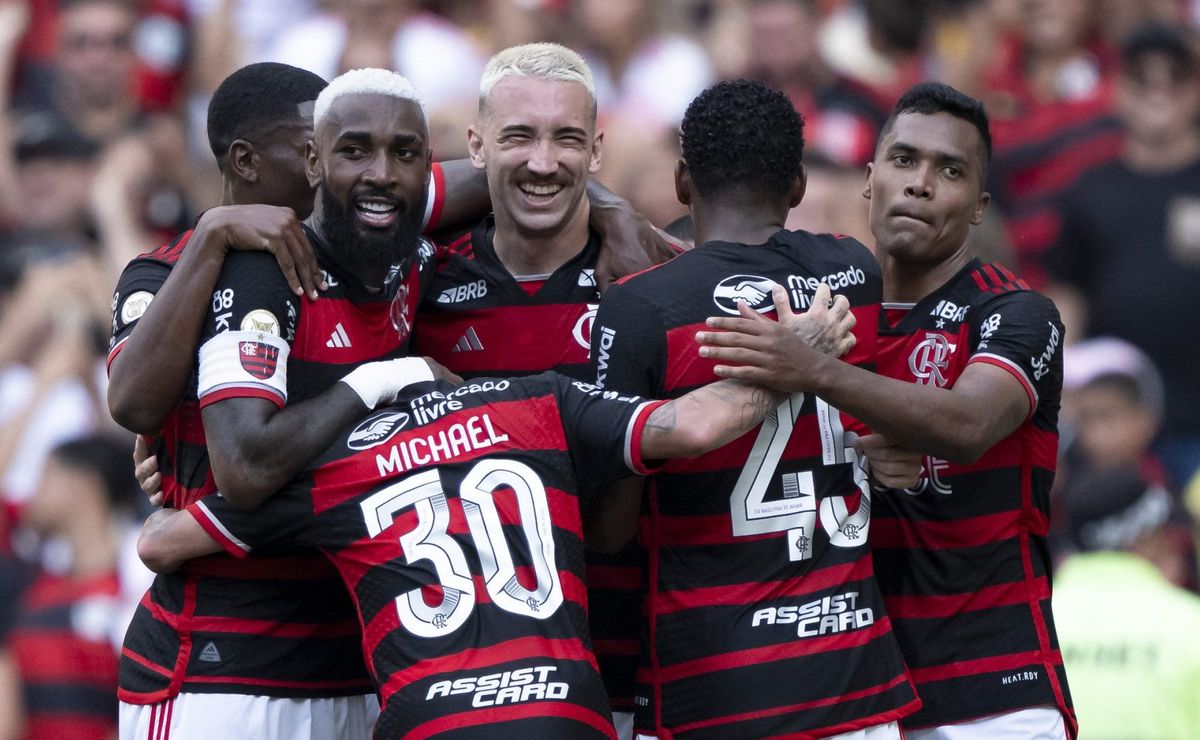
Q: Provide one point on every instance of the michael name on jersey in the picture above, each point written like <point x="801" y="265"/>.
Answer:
<point x="509" y="687"/>
<point x="476" y="433"/>
<point x="824" y="616"/>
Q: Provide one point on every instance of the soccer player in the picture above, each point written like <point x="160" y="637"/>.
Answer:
<point x="453" y="518"/>
<point x="973" y="366"/>
<point x="234" y="638"/>
<point x="764" y="618"/>
<point x="517" y="294"/>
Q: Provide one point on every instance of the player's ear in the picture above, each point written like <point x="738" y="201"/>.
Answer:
<point x="475" y="148"/>
<point x="796" y="191"/>
<point x="243" y="160"/>
<point x="981" y="207"/>
<point x="312" y="165"/>
<point x="683" y="183"/>
<point x="597" y="149"/>
<point x="866" y="193"/>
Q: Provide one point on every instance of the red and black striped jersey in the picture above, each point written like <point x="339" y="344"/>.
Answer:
<point x="764" y="619"/>
<point x="180" y="447"/>
<point x="280" y="624"/>
<point x="478" y="320"/>
<point x="65" y="658"/>
<point x="962" y="558"/>
<point x="453" y="518"/>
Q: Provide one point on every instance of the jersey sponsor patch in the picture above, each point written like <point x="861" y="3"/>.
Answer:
<point x="135" y="305"/>
<point x="377" y="429"/>
<point x="262" y="320"/>
<point x="752" y="290"/>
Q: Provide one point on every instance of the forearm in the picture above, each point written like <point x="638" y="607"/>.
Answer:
<point x="705" y="419"/>
<point x="170" y="538"/>
<point x="467" y="197"/>
<point x="255" y="448"/>
<point x="958" y="425"/>
<point x="152" y="370"/>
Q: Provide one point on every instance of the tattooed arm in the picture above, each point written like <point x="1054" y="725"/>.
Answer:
<point x="705" y="419"/>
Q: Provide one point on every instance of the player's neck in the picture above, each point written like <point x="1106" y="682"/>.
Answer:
<point x="739" y="223"/>
<point x="911" y="282"/>
<point x="537" y="254"/>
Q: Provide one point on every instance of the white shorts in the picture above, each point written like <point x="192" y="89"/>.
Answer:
<point x="246" y="717"/>
<point x="890" y="731"/>
<point x="1036" y="723"/>
<point x="623" y="723"/>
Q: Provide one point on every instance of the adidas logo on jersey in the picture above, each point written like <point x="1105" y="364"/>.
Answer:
<point x="210" y="654"/>
<point x="468" y="342"/>
<point x="339" y="338"/>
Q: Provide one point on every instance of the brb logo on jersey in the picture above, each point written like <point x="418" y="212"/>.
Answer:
<point x="930" y="360"/>
<point x="752" y="290"/>
<point x="376" y="430"/>
<point x="258" y="358"/>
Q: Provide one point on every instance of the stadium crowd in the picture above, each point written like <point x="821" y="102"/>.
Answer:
<point x="107" y="144"/>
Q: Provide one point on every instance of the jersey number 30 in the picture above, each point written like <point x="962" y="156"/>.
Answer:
<point x="429" y="540"/>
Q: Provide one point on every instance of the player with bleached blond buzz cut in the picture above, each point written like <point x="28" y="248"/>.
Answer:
<point x="517" y="294"/>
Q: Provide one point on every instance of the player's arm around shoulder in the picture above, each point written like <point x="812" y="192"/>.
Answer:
<point x="160" y="323"/>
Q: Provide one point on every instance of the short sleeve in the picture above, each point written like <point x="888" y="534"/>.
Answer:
<point x="283" y="521"/>
<point x="139" y="283"/>
<point x="1021" y="332"/>
<point x="248" y="331"/>
<point x="629" y="344"/>
<point x="604" y="430"/>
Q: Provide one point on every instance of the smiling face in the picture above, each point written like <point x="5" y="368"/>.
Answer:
<point x="926" y="187"/>
<point x="537" y="141"/>
<point x="371" y="161"/>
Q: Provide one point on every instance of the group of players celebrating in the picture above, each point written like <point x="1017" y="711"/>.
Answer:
<point x="772" y="488"/>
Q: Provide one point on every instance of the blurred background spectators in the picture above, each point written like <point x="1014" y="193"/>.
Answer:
<point x="1096" y="179"/>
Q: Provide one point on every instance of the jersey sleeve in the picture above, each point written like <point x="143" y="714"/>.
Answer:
<point x="604" y="430"/>
<point x="139" y="283"/>
<point x="284" y="520"/>
<point x="1020" y="332"/>
<point x="629" y="344"/>
<point x="248" y="331"/>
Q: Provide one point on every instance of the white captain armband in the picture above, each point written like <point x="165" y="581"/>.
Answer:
<point x="243" y="364"/>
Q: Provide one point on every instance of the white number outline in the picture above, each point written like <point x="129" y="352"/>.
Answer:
<point x="797" y="512"/>
<point x="430" y="540"/>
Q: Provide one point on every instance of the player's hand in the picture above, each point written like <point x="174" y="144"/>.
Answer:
<point x="273" y="229"/>
<point x="629" y="243"/>
<point x="380" y="383"/>
<point x="441" y="372"/>
<point x="892" y="466"/>
<point x="772" y="353"/>
<point x="145" y="469"/>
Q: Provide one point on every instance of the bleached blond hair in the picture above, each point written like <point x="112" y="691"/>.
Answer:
<point x="542" y="61"/>
<point x="366" y="81"/>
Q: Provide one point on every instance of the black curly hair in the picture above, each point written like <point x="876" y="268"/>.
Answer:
<point x="742" y="134"/>
<point x="936" y="97"/>
<point x="255" y="98"/>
